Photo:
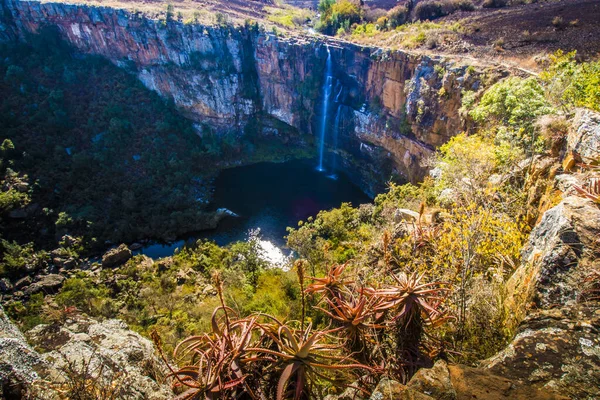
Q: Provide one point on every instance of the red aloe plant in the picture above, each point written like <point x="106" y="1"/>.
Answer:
<point x="301" y="358"/>
<point x="332" y="284"/>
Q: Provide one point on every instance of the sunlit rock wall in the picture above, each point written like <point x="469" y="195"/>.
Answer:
<point x="391" y="109"/>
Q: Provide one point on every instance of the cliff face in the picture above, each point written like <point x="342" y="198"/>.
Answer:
<point x="389" y="109"/>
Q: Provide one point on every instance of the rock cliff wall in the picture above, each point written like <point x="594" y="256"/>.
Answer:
<point x="391" y="108"/>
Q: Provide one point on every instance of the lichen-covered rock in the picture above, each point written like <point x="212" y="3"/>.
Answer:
<point x="434" y="382"/>
<point x="584" y="137"/>
<point x="478" y="383"/>
<point x="561" y="251"/>
<point x="116" y="257"/>
<point x="556" y="349"/>
<point x="390" y="389"/>
<point x="47" y="284"/>
<point x="108" y="351"/>
<point x="21" y="368"/>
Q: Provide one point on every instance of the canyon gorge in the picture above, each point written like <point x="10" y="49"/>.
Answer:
<point x="466" y="266"/>
<point x="392" y="108"/>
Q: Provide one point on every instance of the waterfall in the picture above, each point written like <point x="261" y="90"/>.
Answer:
<point x="327" y="89"/>
<point x="336" y="132"/>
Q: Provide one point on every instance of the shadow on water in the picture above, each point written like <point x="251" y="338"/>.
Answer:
<point x="271" y="197"/>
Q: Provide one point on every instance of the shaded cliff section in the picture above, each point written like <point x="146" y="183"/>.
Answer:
<point x="391" y="109"/>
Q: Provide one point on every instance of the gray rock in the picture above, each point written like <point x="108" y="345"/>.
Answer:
<point x="113" y="354"/>
<point x="557" y="348"/>
<point x="390" y="389"/>
<point x="5" y="286"/>
<point x="23" y="282"/>
<point x="47" y="284"/>
<point x="116" y="257"/>
<point x="558" y="256"/>
<point x="434" y="381"/>
<point x="402" y="214"/>
<point x="21" y="368"/>
<point x="584" y="137"/>
<point x="565" y="182"/>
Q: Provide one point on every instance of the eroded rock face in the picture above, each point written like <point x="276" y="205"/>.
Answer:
<point x="390" y="108"/>
<point x="21" y="368"/>
<point x="558" y="349"/>
<point x="556" y="346"/>
<point x="562" y="250"/>
<point x="459" y="382"/>
<point x="584" y="136"/>
<point x="108" y="351"/>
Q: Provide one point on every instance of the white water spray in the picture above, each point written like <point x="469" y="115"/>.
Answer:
<point x="327" y="89"/>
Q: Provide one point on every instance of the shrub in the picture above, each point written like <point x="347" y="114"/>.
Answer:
<point x="558" y="22"/>
<point x="397" y="16"/>
<point x="429" y="10"/>
<point x="338" y="14"/>
<point x="494" y="3"/>
<point x="513" y="105"/>
<point x="464" y="5"/>
<point x="572" y="84"/>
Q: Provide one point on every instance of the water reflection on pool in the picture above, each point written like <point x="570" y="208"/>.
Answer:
<point x="268" y="197"/>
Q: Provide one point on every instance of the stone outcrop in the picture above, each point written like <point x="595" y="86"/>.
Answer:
<point x="584" y="136"/>
<point x="556" y="346"/>
<point x="562" y="250"/>
<point x="115" y="360"/>
<point x="116" y="257"/>
<point x="459" y="382"/>
<point x="21" y="368"/>
<point x="114" y="356"/>
<point x="47" y="284"/>
<point x="391" y="108"/>
<point x="558" y="349"/>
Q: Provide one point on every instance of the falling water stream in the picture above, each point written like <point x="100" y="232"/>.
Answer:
<point x="336" y="131"/>
<point x="327" y="90"/>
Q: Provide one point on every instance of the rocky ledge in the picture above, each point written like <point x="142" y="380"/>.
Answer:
<point x="115" y="361"/>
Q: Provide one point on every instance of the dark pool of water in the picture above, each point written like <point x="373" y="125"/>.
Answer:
<point x="271" y="197"/>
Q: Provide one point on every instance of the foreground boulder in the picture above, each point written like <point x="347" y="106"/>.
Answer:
<point x="558" y="349"/>
<point x="116" y="359"/>
<point x="557" y="345"/>
<point x="459" y="382"/>
<point x="21" y="368"/>
<point x="562" y="250"/>
<point x="47" y="284"/>
<point x="584" y="136"/>
<point x="116" y="257"/>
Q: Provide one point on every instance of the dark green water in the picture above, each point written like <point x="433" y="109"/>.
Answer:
<point x="270" y="197"/>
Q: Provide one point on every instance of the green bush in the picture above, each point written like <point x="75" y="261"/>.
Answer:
<point x="338" y="14"/>
<point x="511" y="107"/>
<point x="397" y="16"/>
<point x="572" y="84"/>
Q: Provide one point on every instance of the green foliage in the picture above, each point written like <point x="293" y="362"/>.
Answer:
<point x="17" y="259"/>
<point x="397" y="16"/>
<point x="572" y="84"/>
<point x="429" y="10"/>
<point x="512" y="107"/>
<point x="100" y="145"/>
<point x="29" y="314"/>
<point x="174" y="296"/>
<point x="338" y="14"/>
<point x="88" y="297"/>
